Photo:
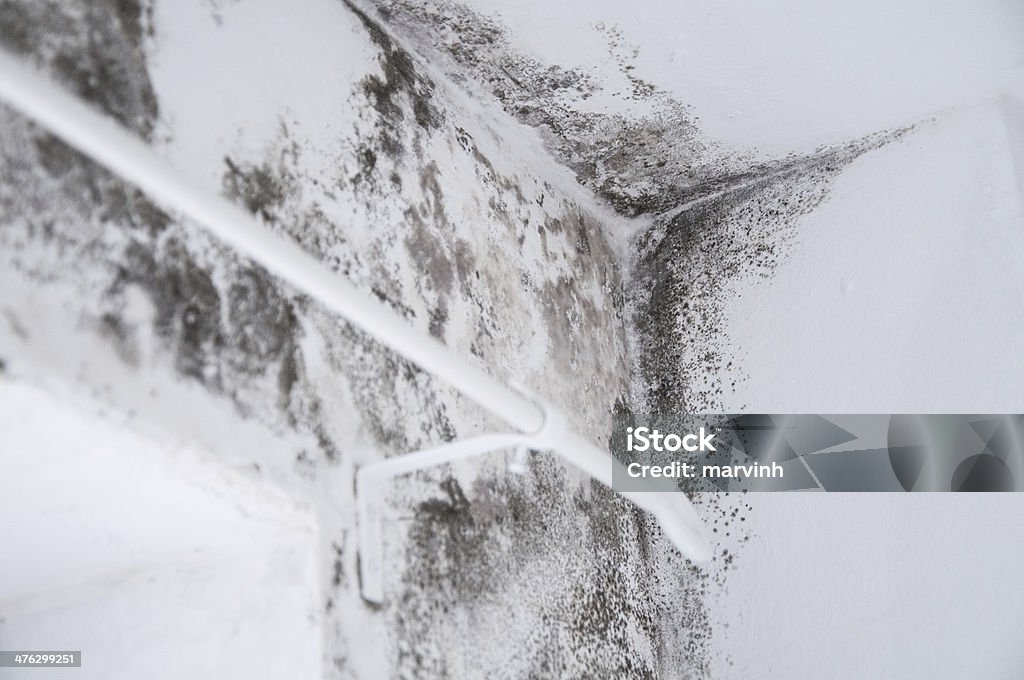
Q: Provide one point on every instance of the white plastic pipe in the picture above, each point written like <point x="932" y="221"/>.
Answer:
<point x="111" y="145"/>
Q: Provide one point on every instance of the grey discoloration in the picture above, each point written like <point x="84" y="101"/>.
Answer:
<point x="188" y="306"/>
<point x="639" y="164"/>
<point x="427" y="249"/>
<point x="263" y="321"/>
<point x="399" y="86"/>
<point x="718" y="217"/>
<point x="463" y="244"/>
<point x="506" y="538"/>
<point x="15" y="324"/>
<point x="94" y="48"/>
<point x="225" y="325"/>
<point x="689" y="262"/>
<point x="260" y="188"/>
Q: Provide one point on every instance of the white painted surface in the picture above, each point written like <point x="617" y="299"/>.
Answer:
<point x="903" y="291"/>
<point x="149" y="559"/>
<point x="843" y="586"/>
<point x="250" y="71"/>
<point x="901" y="587"/>
<point x="790" y="75"/>
<point x="903" y="294"/>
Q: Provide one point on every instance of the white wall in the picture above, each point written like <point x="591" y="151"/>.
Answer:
<point x="790" y="75"/>
<point x="907" y="587"/>
<point x="903" y="293"/>
<point x="151" y="560"/>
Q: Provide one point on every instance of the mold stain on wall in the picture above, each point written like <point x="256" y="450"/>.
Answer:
<point x="492" y="576"/>
<point x="716" y="217"/>
<point x="527" y="285"/>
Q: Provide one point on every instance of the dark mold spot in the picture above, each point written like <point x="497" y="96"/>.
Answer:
<point x="129" y="206"/>
<point x="438" y="319"/>
<point x="327" y="446"/>
<point x="367" y="158"/>
<point x="687" y="263"/>
<point x="338" y="567"/>
<point x="56" y="157"/>
<point x="260" y="188"/>
<point x="188" y="306"/>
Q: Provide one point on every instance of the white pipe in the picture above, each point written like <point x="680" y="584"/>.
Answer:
<point x="109" y="144"/>
<point x="445" y="453"/>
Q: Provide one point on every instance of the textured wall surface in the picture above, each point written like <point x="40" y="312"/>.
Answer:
<point x="534" y="186"/>
<point x="705" y="216"/>
<point x="328" y="129"/>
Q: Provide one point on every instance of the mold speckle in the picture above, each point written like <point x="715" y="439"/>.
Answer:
<point x="577" y="581"/>
<point x="639" y="164"/>
<point x="338" y="567"/>
<point x="689" y="262"/>
<point x="503" y="541"/>
<point x="187" y="303"/>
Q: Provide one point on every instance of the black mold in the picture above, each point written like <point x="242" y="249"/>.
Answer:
<point x="469" y="546"/>
<point x="100" y="59"/>
<point x="400" y="88"/>
<point x="188" y="306"/>
<point x="687" y="262"/>
<point x="638" y="165"/>
<point x="260" y="188"/>
<point x="338" y="567"/>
